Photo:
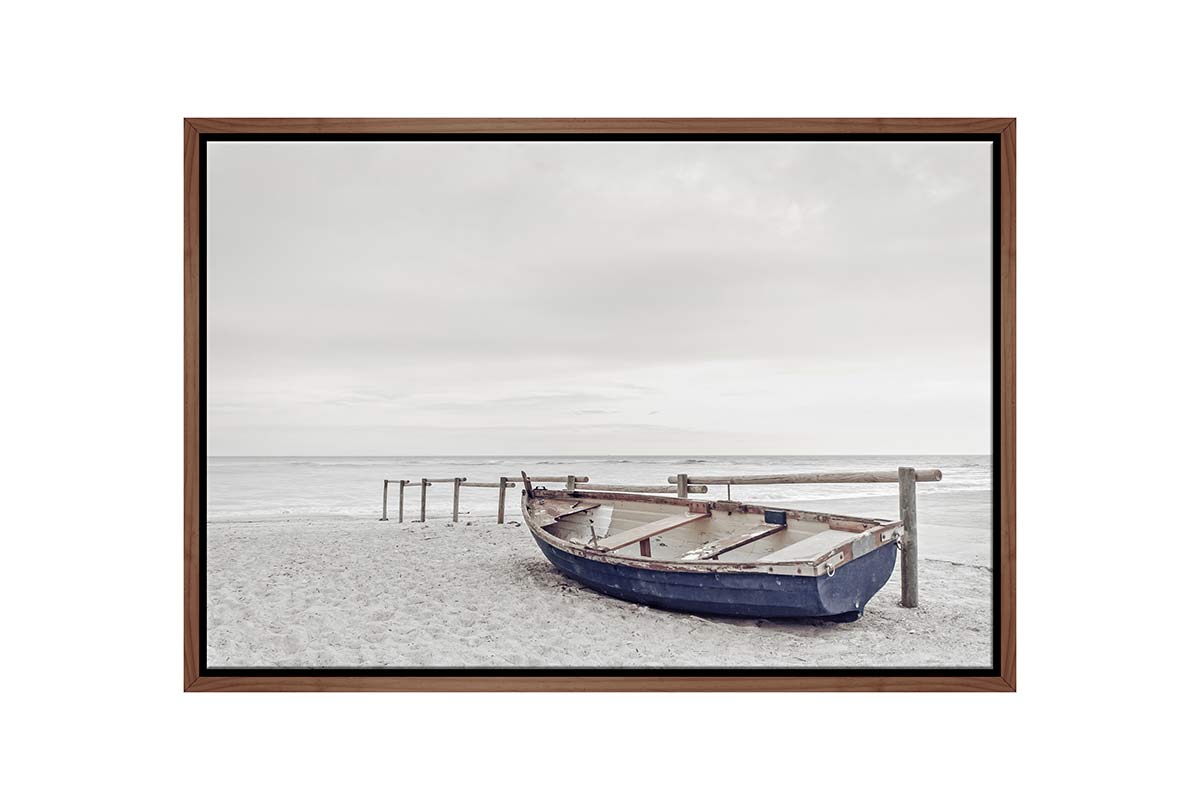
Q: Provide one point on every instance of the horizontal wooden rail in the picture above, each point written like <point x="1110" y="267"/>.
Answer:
<point x="889" y="477"/>
<point x="561" y="478"/>
<point x="551" y="479"/>
<point x="638" y="488"/>
<point x="492" y="485"/>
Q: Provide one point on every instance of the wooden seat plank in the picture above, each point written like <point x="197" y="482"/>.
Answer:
<point x="811" y="548"/>
<point x="714" y="549"/>
<point x="645" y="532"/>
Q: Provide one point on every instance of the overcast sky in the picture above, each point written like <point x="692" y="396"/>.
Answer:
<point x="624" y="298"/>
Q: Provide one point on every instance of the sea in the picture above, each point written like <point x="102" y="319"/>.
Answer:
<point x="352" y="486"/>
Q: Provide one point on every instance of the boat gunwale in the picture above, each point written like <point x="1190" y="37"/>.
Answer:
<point x="884" y="531"/>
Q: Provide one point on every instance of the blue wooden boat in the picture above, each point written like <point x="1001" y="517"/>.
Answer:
<point x="714" y="557"/>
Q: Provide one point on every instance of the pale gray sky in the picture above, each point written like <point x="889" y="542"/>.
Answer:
<point x="606" y="297"/>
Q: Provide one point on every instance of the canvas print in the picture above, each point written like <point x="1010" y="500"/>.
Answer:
<point x="577" y="404"/>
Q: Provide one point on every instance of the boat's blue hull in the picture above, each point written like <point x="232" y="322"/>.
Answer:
<point x="749" y="594"/>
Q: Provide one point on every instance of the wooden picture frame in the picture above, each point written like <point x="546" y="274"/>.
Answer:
<point x="1001" y="677"/>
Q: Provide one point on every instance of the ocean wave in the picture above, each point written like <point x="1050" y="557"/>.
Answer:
<point x="334" y="464"/>
<point x="351" y="485"/>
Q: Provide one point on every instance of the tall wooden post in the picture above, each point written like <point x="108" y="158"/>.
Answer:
<point x="400" y="516"/>
<point x="682" y="490"/>
<point x="503" y="489"/>
<point x="570" y="483"/>
<point x="385" y="483"/>
<point x="457" y="484"/>
<point x="908" y="554"/>
<point x="424" y="489"/>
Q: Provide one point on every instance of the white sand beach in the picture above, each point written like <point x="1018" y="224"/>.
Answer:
<point x="355" y="591"/>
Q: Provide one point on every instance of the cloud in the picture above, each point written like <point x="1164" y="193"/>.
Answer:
<point x="374" y="283"/>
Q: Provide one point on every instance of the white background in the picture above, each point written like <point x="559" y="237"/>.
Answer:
<point x="90" y="313"/>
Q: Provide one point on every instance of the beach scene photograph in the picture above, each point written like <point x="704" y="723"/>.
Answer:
<point x="620" y="404"/>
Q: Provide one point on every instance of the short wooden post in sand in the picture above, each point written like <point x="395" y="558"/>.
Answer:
<point x="385" y="483"/>
<point x="424" y="489"/>
<point x="908" y="552"/>
<point x="457" y="485"/>
<point x="503" y="489"/>
<point x="400" y="510"/>
<point x="682" y="485"/>
<point x="570" y="483"/>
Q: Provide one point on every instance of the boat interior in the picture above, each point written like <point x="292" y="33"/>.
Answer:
<point x="667" y="529"/>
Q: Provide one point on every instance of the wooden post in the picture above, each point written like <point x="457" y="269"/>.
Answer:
<point x="503" y="489"/>
<point x="682" y="485"/>
<point x="400" y="516"/>
<point x="457" y="484"/>
<point x="644" y="547"/>
<point x="570" y="483"/>
<point x="424" y="489"/>
<point x="908" y="554"/>
<point x="385" y="483"/>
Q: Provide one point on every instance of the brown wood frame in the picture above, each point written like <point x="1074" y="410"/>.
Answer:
<point x="1005" y="681"/>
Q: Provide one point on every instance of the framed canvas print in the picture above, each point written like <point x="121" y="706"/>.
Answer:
<point x="599" y="404"/>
